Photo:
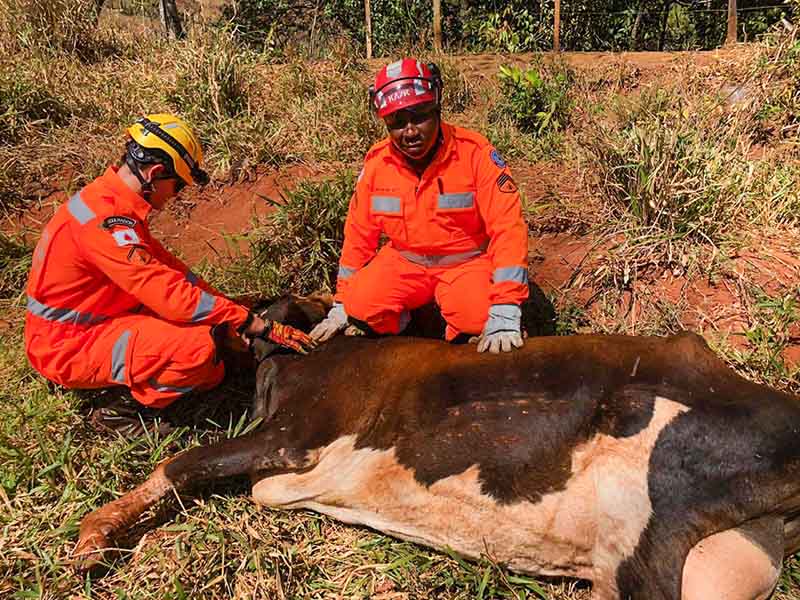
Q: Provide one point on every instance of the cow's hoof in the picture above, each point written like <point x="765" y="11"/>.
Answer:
<point x="92" y="549"/>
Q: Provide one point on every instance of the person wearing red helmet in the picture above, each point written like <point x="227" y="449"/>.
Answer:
<point x="109" y="305"/>
<point x="448" y="205"/>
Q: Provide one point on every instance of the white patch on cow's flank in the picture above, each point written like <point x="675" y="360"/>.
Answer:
<point x="582" y="531"/>
<point x="620" y="468"/>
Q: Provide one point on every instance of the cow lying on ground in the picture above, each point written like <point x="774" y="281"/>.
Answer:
<point x="642" y="464"/>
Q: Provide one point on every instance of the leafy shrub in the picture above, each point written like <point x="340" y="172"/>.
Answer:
<point x="517" y="27"/>
<point x="291" y="28"/>
<point x="536" y="100"/>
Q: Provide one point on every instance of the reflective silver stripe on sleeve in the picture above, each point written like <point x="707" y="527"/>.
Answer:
<point x="62" y="315"/>
<point x="516" y="274"/>
<point x="118" y="355"/>
<point x="159" y="387"/>
<point x="204" y="307"/>
<point x="385" y="204"/>
<point x="191" y="278"/>
<point x="345" y="272"/>
<point x="78" y="209"/>
<point x="459" y="200"/>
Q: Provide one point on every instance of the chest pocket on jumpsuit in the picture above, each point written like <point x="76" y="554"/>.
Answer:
<point x="388" y="212"/>
<point x="457" y="211"/>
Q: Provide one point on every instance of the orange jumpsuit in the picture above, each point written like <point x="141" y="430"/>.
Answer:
<point x="108" y="305"/>
<point x="455" y="235"/>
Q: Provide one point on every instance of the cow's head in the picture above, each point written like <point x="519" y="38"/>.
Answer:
<point x="301" y="312"/>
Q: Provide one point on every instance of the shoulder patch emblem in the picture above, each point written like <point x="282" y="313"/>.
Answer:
<point x="125" y="237"/>
<point x="117" y="221"/>
<point x="497" y="159"/>
<point x="506" y="184"/>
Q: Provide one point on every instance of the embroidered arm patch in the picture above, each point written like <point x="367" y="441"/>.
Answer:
<point x="497" y="159"/>
<point x="506" y="184"/>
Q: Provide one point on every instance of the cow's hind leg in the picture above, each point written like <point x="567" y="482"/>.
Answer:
<point x="737" y="564"/>
<point x="227" y="459"/>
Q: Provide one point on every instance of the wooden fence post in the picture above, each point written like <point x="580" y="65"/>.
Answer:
<point x="369" y="28"/>
<point x="732" y="22"/>
<point x="170" y="18"/>
<point x="437" y="25"/>
<point x="557" y="28"/>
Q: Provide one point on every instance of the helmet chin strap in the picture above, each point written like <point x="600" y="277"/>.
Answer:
<point x="147" y="186"/>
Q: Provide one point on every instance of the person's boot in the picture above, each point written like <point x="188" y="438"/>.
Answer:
<point x="128" y="418"/>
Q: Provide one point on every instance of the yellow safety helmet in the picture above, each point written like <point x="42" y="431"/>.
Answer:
<point x="165" y="134"/>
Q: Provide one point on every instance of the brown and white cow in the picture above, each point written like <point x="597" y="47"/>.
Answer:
<point x="642" y="464"/>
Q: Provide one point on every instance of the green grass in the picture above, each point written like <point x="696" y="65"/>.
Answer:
<point x="15" y="261"/>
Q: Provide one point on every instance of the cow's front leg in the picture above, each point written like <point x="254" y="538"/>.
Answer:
<point x="737" y="564"/>
<point x="205" y="463"/>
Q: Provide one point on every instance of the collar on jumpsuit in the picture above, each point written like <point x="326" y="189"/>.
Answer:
<point x="447" y="147"/>
<point x="126" y="196"/>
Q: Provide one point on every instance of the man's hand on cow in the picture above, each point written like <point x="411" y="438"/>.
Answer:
<point x="335" y="322"/>
<point x="278" y="333"/>
<point x="502" y="340"/>
<point x="502" y="331"/>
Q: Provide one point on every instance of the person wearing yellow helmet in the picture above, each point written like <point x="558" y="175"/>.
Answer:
<point x="165" y="139"/>
<point x="109" y="305"/>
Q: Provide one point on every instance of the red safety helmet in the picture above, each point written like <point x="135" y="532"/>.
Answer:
<point x="405" y="83"/>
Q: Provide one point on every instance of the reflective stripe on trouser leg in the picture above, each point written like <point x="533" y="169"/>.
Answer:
<point x="119" y="357"/>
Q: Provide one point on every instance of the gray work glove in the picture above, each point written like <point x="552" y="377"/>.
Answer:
<point x="330" y="325"/>
<point x="502" y="330"/>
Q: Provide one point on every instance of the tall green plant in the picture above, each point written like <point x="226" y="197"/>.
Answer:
<point x="536" y="100"/>
<point x="214" y="90"/>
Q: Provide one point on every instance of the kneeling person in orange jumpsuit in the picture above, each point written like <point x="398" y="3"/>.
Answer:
<point x="109" y="305"/>
<point x="446" y="201"/>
